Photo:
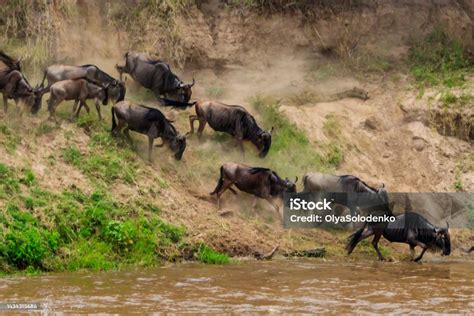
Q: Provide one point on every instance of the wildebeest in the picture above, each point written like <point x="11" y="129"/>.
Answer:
<point x="157" y="76"/>
<point x="115" y="88"/>
<point x="232" y="119"/>
<point x="150" y="122"/>
<point x="359" y="193"/>
<point x="13" y="84"/>
<point x="409" y="228"/>
<point x="261" y="182"/>
<point x="78" y="90"/>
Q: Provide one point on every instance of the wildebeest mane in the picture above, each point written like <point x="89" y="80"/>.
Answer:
<point x="9" y="61"/>
<point x="250" y="128"/>
<point x="156" y="115"/>
<point x="350" y="183"/>
<point x="255" y="170"/>
<point x="103" y="73"/>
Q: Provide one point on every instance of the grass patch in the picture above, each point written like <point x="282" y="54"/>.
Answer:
<point x="78" y="230"/>
<point x="208" y="255"/>
<point x="8" y="138"/>
<point x="104" y="159"/>
<point x="439" y="60"/>
<point x="215" y="92"/>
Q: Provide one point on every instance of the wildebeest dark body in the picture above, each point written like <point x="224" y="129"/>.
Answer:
<point x="147" y="121"/>
<point x="232" y="119"/>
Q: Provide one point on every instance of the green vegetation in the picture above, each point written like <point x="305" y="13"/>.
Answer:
<point x="8" y="139"/>
<point x="105" y="160"/>
<point x="449" y="100"/>
<point x="291" y="150"/>
<point x="77" y="230"/>
<point x="439" y="60"/>
<point x="206" y="254"/>
<point x="215" y="92"/>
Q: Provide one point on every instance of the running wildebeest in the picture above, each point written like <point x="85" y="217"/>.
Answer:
<point x="232" y="119"/>
<point x="116" y="89"/>
<point x="78" y="90"/>
<point x="358" y="192"/>
<point x="13" y="84"/>
<point x="261" y="182"/>
<point x="409" y="228"/>
<point x="150" y="122"/>
<point x="157" y="76"/>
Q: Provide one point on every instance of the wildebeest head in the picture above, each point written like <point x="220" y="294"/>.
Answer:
<point x="382" y="193"/>
<point x="181" y="93"/>
<point x="117" y="90"/>
<point x="127" y="67"/>
<point x="178" y="145"/>
<point x="103" y="94"/>
<point x="38" y="93"/>
<point x="280" y="186"/>
<point x="289" y="186"/>
<point x="443" y="240"/>
<point x="263" y="143"/>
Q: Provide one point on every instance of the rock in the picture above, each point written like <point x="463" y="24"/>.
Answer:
<point x="371" y="123"/>
<point x="419" y="143"/>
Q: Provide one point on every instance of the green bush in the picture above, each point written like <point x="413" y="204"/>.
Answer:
<point x="208" y="255"/>
<point x="439" y="59"/>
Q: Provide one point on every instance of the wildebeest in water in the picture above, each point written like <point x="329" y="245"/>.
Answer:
<point x="78" y="90"/>
<point x="232" y="119"/>
<point x="261" y="182"/>
<point x="147" y="121"/>
<point x="157" y="76"/>
<point x="410" y="228"/>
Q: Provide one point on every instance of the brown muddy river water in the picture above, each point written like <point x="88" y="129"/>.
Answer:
<point x="299" y="286"/>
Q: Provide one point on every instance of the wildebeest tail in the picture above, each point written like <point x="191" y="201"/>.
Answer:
<point x="305" y="180"/>
<point x="353" y="239"/>
<point x="114" y="122"/>
<point x="220" y="182"/>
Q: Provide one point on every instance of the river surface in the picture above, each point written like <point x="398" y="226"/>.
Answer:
<point x="299" y="286"/>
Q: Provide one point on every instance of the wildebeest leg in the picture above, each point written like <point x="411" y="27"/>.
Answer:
<point x="275" y="205"/>
<point x="254" y="203"/>
<point x="366" y="233"/>
<point x="97" y="106"/>
<point x="240" y="144"/>
<point x="5" y="102"/>
<point x="192" y="118"/>
<point x="226" y="185"/>
<point x="86" y="106"/>
<point x="412" y="251"/>
<point x="75" y="109"/>
<point x="375" y="244"/>
<point x="421" y="255"/>
<point x="127" y="135"/>
<point x="202" y="124"/>
<point x="422" y="245"/>
<point x="150" y="146"/>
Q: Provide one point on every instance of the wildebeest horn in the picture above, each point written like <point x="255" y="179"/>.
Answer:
<point x="187" y="134"/>
<point x="447" y="225"/>
<point x="271" y="130"/>
<point x="192" y="84"/>
<point x="383" y="185"/>
<point x="296" y="180"/>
